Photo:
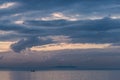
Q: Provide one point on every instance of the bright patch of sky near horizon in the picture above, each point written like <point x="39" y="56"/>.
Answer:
<point x="5" y="46"/>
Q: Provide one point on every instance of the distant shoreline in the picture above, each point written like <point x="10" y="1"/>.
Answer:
<point x="32" y="69"/>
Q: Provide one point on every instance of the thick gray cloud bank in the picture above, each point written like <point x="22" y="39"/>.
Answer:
<point x="80" y="59"/>
<point x="86" y="31"/>
<point x="28" y="43"/>
<point x="82" y="21"/>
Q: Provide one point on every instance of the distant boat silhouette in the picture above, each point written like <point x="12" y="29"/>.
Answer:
<point x="32" y="70"/>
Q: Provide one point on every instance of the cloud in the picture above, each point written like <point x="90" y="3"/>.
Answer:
<point x="1" y="57"/>
<point x="104" y="24"/>
<point x="77" y="21"/>
<point x="7" y="5"/>
<point x="28" y="43"/>
<point x="69" y="46"/>
<point x="60" y="39"/>
<point x="48" y="9"/>
<point x="19" y="22"/>
<point x="48" y="24"/>
<point x="19" y="29"/>
<point x="83" y="59"/>
<point x="4" y="32"/>
<point x="43" y="9"/>
<point x="59" y="15"/>
<point x="81" y="31"/>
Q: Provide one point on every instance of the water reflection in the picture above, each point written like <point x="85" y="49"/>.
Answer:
<point x="20" y="75"/>
<point x="5" y="75"/>
<point x="60" y="75"/>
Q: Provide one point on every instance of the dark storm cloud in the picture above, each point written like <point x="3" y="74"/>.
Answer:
<point x="19" y="29"/>
<point x="84" y="7"/>
<point x="28" y="43"/>
<point x="95" y="31"/>
<point x="33" y="5"/>
<point x="104" y="24"/>
<point x="85" y="31"/>
<point x="96" y="37"/>
<point x="49" y="24"/>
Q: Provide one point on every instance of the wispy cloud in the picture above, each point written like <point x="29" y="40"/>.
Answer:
<point x="69" y="46"/>
<point x="19" y="22"/>
<point x="59" y="15"/>
<point x="8" y="5"/>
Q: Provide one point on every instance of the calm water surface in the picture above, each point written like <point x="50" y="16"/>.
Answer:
<point x="61" y="75"/>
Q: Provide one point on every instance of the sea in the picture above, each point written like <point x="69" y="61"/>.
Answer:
<point x="61" y="75"/>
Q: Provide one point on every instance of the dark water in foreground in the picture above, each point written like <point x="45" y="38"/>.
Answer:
<point x="61" y="75"/>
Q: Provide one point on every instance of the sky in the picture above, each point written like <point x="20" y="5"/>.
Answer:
<point x="52" y="26"/>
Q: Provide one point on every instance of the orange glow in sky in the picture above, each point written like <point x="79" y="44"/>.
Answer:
<point x="62" y="46"/>
<point x="5" y="46"/>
